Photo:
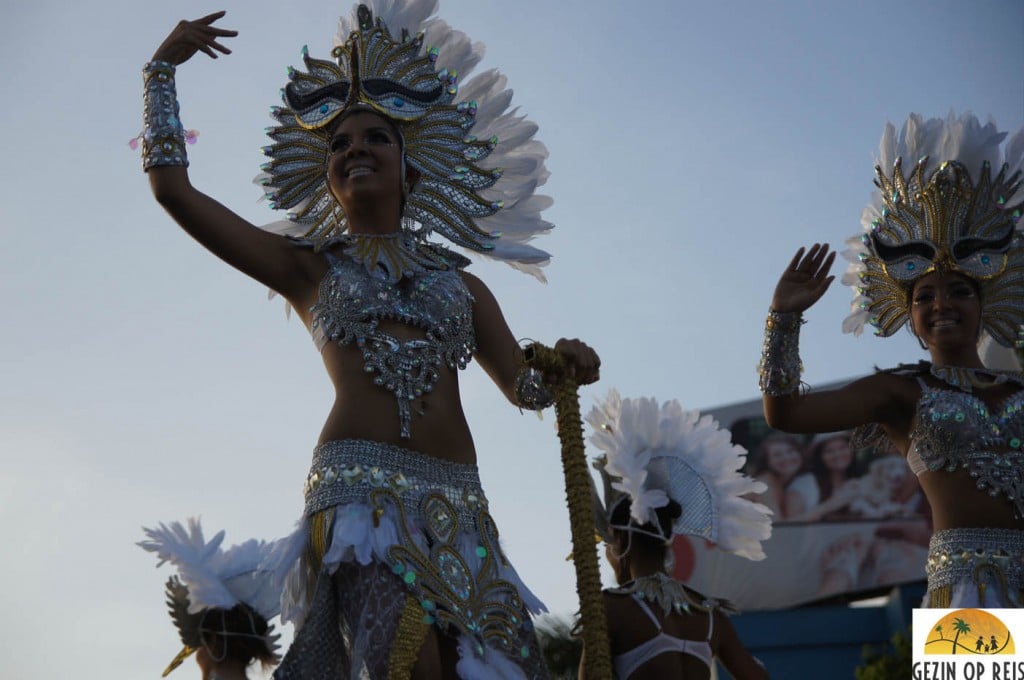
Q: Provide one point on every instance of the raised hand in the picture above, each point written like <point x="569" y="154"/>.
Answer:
<point x="189" y="37"/>
<point x="805" y="280"/>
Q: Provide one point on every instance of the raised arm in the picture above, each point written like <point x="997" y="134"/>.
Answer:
<point x="878" y="398"/>
<point x="268" y="258"/>
<point x="500" y="355"/>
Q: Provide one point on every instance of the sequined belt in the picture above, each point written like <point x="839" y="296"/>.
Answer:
<point x="958" y="555"/>
<point x="348" y="470"/>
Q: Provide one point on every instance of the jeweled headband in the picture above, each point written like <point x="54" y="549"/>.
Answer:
<point x="478" y="161"/>
<point x="955" y="209"/>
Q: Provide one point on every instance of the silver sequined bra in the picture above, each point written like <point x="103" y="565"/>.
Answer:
<point x="956" y="431"/>
<point x="356" y="297"/>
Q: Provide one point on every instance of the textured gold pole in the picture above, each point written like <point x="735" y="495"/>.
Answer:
<point x="581" y="519"/>
<point x="405" y="650"/>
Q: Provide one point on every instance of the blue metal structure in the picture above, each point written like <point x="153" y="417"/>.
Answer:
<point x="823" y="642"/>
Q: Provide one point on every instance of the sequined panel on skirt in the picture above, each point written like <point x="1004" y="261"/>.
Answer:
<point x="442" y="548"/>
<point x="988" y="562"/>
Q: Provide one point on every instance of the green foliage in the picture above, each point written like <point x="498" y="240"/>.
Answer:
<point x="890" y="661"/>
<point x="562" y="650"/>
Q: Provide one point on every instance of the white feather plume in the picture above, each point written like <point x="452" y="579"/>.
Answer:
<point x="653" y="452"/>
<point x="215" y="577"/>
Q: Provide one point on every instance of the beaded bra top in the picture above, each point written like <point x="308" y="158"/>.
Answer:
<point x="396" y="277"/>
<point x="956" y="430"/>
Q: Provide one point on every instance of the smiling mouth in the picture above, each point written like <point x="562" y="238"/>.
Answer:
<point x="359" y="171"/>
<point x="945" y="323"/>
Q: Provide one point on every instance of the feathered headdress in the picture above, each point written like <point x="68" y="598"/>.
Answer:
<point x="655" y="453"/>
<point x="214" y="585"/>
<point x="478" y="161"/>
<point x="956" y="208"/>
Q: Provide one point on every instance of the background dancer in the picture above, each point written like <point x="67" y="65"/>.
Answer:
<point x="667" y="471"/>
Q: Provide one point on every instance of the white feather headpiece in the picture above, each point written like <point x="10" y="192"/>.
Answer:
<point x="211" y="578"/>
<point x="655" y="453"/>
<point x="957" y="209"/>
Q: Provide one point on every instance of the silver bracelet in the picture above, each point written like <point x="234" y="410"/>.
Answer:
<point x="530" y="390"/>
<point x="163" y="137"/>
<point x="780" y="366"/>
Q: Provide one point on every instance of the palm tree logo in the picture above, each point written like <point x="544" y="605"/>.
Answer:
<point x="960" y="626"/>
<point x="981" y="633"/>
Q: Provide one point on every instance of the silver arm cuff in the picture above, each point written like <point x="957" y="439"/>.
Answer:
<point x="530" y="390"/>
<point x="780" y="366"/>
<point x="163" y="140"/>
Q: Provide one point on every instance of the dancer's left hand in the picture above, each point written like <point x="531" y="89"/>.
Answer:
<point x="581" y="360"/>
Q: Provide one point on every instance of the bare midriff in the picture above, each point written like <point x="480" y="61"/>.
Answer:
<point x="957" y="503"/>
<point x="364" y="410"/>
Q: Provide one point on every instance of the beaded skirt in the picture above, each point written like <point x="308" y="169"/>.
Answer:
<point x="391" y="536"/>
<point x="975" y="568"/>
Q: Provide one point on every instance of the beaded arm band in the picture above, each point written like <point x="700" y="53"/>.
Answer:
<point x="163" y="141"/>
<point x="531" y="392"/>
<point x="780" y="366"/>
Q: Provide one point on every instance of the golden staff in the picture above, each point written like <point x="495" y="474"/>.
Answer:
<point x="581" y="518"/>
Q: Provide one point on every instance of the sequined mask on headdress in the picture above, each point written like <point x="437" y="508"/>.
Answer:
<point x="936" y="218"/>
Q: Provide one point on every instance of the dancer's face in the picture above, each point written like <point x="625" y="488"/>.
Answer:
<point x="945" y="310"/>
<point x="365" y="160"/>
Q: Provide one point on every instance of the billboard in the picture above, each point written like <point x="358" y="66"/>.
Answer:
<point x="849" y="519"/>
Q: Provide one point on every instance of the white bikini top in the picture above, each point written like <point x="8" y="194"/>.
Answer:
<point x="662" y="643"/>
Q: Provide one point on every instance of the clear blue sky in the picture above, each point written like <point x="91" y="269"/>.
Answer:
<point x="694" y="147"/>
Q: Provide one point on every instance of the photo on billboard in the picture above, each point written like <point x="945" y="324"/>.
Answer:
<point x="849" y="518"/>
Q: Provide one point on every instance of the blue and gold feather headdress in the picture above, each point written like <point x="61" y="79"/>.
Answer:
<point x="478" y="160"/>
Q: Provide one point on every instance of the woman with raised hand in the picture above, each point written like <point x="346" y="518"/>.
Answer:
<point x="395" y="568"/>
<point x="941" y="253"/>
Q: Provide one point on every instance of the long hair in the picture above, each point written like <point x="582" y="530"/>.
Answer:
<point x="817" y="464"/>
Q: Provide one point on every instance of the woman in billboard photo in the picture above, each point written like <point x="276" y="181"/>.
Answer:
<point x="777" y="460"/>
<point x="942" y="254"/>
<point x="831" y="483"/>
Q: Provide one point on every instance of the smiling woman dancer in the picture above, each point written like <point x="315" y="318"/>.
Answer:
<point x="941" y="253"/>
<point x="395" y="568"/>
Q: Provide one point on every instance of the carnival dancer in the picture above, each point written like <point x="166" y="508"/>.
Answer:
<point x="667" y="472"/>
<point x="942" y="254"/>
<point x="395" y="568"/>
<point x="220" y="600"/>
